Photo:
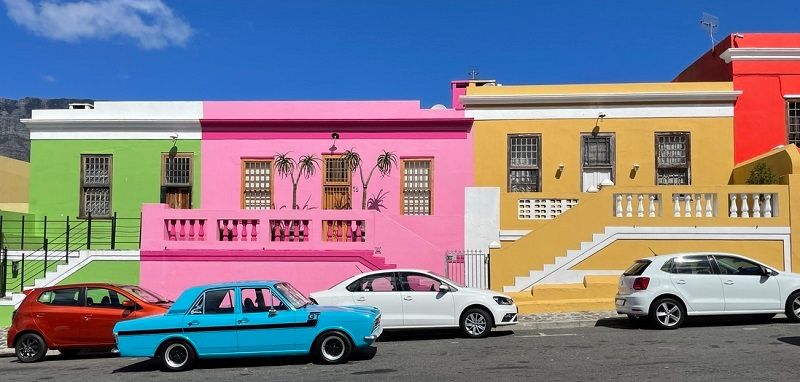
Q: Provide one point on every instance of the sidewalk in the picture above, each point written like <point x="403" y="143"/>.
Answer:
<point x="563" y="320"/>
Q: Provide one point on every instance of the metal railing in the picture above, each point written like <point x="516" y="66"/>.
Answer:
<point x="44" y="244"/>
<point x="469" y="268"/>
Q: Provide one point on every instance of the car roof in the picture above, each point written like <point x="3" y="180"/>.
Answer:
<point x="81" y="285"/>
<point x="699" y="253"/>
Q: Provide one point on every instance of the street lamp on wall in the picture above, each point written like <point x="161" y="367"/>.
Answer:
<point x="333" y="147"/>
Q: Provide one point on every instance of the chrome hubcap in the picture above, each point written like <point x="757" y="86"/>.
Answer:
<point x="796" y="307"/>
<point x="176" y="355"/>
<point x="29" y="348"/>
<point x="475" y="323"/>
<point x="332" y="348"/>
<point x="668" y="313"/>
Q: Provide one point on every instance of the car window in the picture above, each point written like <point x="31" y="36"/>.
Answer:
<point x="260" y="300"/>
<point x="292" y="295"/>
<point x="146" y="295"/>
<point x="104" y="298"/>
<point x="420" y="283"/>
<point x="218" y="301"/>
<point x="736" y="266"/>
<point x="62" y="297"/>
<point x="383" y="282"/>
<point x="637" y="268"/>
<point x="692" y="265"/>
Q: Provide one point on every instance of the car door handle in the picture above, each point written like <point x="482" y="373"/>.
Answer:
<point x="39" y="315"/>
<point x="87" y="317"/>
<point x="193" y="323"/>
<point x="728" y="282"/>
<point x="680" y="282"/>
<point x="243" y="321"/>
<point x="408" y="298"/>
<point x="361" y="299"/>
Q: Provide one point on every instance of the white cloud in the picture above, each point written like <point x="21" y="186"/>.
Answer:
<point x="48" y="78"/>
<point x="150" y="22"/>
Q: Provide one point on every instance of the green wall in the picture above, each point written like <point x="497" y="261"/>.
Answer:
<point x="136" y="179"/>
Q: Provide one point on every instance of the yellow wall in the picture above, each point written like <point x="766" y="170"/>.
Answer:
<point x="621" y="253"/>
<point x="783" y="161"/>
<point x="711" y="155"/>
<point x="13" y="185"/>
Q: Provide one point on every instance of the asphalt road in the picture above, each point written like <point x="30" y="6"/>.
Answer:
<point x="616" y="350"/>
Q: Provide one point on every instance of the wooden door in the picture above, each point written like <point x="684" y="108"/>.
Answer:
<point x="178" y="197"/>
<point x="336" y="184"/>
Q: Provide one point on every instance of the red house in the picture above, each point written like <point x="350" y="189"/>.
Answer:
<point x="766" y="68"/>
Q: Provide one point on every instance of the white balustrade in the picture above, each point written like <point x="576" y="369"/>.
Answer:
<point x="694" y="205"/>
<point x="630" y="205"/>
<point x="752" y="205"/>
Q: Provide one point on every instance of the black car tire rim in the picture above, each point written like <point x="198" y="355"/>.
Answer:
<point x="333" y="348"/>
<point x="29" y="347"/>
<point x="176" y="355"/>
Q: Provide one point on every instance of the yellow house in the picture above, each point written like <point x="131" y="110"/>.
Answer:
<point x="588" y="178"/>
<point x="13" y="185"/>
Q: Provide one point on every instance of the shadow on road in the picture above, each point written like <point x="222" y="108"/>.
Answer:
<point x="709" y="321"/>
<point x="81" y="355"/>
<point x="790" y="340"/>
<point x="431" y="334"/>
<point x="223" y="363"/>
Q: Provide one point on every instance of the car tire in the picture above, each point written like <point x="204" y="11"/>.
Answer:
<point x="793" y="307"/>
<point x="176" y="356"/>
<point x="69" y="353"/>
<point x="30" y="347"/>
<point x="476" y="323"/>
<point x="332" y="348"/>
<point x="667" y="313"/>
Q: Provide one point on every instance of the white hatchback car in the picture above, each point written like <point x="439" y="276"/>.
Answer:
<point x="667" y="288"/>
<point x="410" y="298"/>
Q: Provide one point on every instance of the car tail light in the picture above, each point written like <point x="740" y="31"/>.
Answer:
<point x="641" y="283"/>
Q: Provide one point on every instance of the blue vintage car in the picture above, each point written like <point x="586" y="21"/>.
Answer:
<point x="247" y="319"/>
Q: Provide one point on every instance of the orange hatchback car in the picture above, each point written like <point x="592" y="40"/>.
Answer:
<point x="71" y="318"/>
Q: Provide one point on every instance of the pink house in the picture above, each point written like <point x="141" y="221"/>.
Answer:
<point x="246" y="227"/>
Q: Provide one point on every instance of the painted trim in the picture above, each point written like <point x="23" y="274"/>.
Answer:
<point x="633" y="98"/>
<point x="760" y="54"/>
<point x="364" y="257"/>
<point x="612" y="111"/>
<point x="113" y="129"/>
<point x="791" y="96"/>
<point x="325" y="125"/>
<point x="513" y="234"/>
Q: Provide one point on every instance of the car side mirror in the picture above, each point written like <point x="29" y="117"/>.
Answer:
<point x="766" y="271"/>
<point x="444" y="288"/>
<point x="272" y="312"/>
<point x="128" y="305"/>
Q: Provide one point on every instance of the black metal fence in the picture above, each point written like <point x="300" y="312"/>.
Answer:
<point x="469" y="268"/>
<point x="46" y="243"/>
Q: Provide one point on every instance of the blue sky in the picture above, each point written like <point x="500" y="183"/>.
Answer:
<point x="350" y="49"/>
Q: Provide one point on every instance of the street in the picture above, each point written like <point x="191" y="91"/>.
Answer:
<point x="614" y="350"/>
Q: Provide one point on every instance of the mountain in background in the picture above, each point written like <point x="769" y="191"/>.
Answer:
<point x="14" y="136"/>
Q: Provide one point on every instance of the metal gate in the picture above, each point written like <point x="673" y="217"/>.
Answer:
<point x="469" y="268"/>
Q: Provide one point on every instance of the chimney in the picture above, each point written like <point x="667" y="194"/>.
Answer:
<point x="459" y="88"/>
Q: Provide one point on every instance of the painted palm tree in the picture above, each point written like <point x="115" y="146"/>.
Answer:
<point x="384" y="163"/>
<point x="306" y="167"/>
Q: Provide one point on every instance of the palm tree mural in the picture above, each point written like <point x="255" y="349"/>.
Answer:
<point x="306" y="167"/>
<point x="384" y="163"/>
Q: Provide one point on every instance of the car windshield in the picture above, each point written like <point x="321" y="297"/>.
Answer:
<point x="637" y="268"/>
<point x="145" y="295"/>
<point x="448" y="280"/>
<point x="292" y="295"/>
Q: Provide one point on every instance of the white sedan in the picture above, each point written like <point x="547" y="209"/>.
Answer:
<point x="667" y="288"/>
<point x="410" y="298"/>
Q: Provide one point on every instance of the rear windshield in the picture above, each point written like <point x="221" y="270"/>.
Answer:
<point x="637" y="268"/>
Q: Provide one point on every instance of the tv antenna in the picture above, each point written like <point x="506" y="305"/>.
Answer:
<point x="473" y="73"/>
<point x="710" y="23"/>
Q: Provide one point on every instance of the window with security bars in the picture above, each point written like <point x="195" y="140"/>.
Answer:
<point x="597" y="160"/>
<point x="793" y="121"/>
<point x="257" y="184"/>
<point x="417" y="187"/>
<point x="95" y="186"/>
<point x="673" y="159"/>
<point x="336" y="186"/>
<point x="524" y="153"/>
<point x="177" y="169"/>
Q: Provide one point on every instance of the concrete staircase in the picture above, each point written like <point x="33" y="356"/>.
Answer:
<point x="594" y="293"/>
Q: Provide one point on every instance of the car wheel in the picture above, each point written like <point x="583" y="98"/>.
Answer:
<point x="476" y="323"/>
<point x="793" y="307"/>
<point x="333" y="348"/>
<point x="30" y="347"/>
<point x="69" y="353"/>
<point x="177" y="356"/>
<point x="667" y="313"/>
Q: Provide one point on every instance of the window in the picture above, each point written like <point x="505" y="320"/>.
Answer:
<point x="523" y="163"/>
<point x="384" y="282"/>
<point x="104" y="298"/>
<point x="691" y="265"/>
<point x="257" y="184"/>
<point x="62" y="297"/>
<point x="637" y="268"/>
<point x="95" y="186"/>
<point x="260" y="300"/>
<point x="738" y="267"/>
<point x="673" y="162"/>
<point x="336" y="186"/>
<point x="176" y="179"/>
<point x="597" y="164"/>
<point x="415" y="282"/>
<point x="218" y="301"/>
<point x="417" y="187"/>
<point x="793" y="121"/>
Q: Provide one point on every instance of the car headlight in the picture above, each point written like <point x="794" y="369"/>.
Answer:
<point x="500" y="300"/>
